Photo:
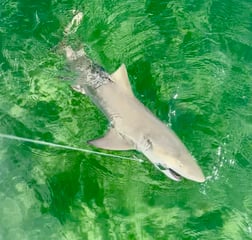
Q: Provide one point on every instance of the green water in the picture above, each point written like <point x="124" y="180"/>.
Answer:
<point x="189" y="62"/>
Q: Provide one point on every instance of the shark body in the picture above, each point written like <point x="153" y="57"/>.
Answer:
<point x="132" y="125"/>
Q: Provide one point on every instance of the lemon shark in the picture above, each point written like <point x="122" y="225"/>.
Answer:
<point x="132" y="125"/>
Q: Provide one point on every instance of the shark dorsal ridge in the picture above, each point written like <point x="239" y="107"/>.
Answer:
<point x="120" y="76"/>
<point x="112" y="141"/>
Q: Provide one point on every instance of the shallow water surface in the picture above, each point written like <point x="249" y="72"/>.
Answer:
<point x="189" y="62"/>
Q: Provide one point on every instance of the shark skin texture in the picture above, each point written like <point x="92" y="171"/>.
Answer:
<point x="132" y="125"/>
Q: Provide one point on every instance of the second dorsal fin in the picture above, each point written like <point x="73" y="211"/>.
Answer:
<point x="120" y="76"/>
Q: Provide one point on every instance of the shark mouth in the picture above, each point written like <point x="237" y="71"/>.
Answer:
<point x="169" y="172"/>
<point x="172" y="174"/>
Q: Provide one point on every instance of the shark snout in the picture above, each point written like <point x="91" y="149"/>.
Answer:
<point x="192" y="172"/>
<point x="198" y="176"/>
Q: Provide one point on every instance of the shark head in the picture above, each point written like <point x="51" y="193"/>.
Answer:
<point x="170" y="156"/>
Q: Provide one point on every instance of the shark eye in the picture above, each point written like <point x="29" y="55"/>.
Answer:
<point x="146" y="144"/>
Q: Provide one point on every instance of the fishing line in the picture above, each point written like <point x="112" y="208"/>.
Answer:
<point x="12" y="137"/>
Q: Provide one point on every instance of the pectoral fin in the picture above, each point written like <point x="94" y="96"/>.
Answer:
<point x="112" y="141"/>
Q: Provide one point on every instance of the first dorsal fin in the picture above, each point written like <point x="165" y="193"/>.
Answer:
<point x="120" y="76"/>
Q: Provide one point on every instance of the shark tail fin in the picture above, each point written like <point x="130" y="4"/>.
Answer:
<point x="71" y="54"/>
<point x="73" y="26"/>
